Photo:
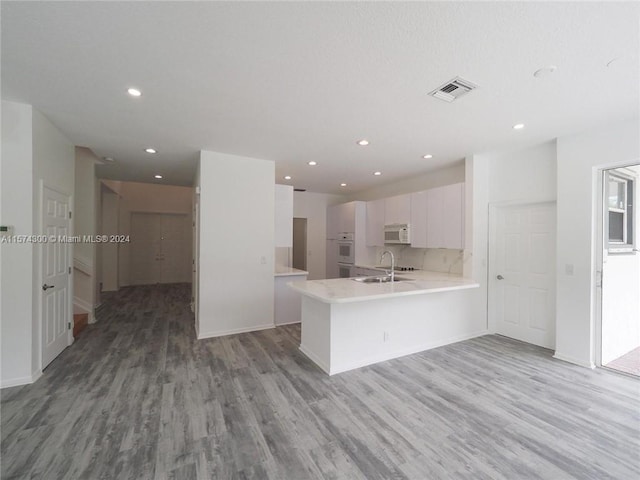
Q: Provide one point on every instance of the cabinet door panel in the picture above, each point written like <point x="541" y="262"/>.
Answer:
<point x="453" y="226"/>
<point x="347" y="217"/>
<point x="375" y="223"/>
<point x="435" y="218"/>
<point x="397" y="209"/>
<point x="419" y="219"/>
<point x="332" y="222"/>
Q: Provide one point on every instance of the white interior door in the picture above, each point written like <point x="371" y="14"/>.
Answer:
<point x="56" y="310"/>
<point x="522" y="273"/>
<point x="174" y="251"/>
<point x="145" y="248"/>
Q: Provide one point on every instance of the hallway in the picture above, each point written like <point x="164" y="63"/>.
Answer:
<point x="137" y="396"/>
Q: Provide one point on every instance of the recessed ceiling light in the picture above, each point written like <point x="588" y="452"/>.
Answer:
<point x="427" y="156"/>
<point x="107" y="159"/>
<point x="158" y="176"/>
<point x="549" y="69"/>
<point x="518" y="126"/>
<point x="312" y="163"/>
<point x="363" y="142"/>
<point x="134" y="92"/>
<point x="343" y="184"/>
<point x="150" y="150"/>
<point x="287" y="177"/>
<point x="377" y="173"/>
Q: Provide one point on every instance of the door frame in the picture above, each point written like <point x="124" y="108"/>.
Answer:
<point x="40" y="257"/>
<point x="599" y="209"/>
<point x="492" y="246"/>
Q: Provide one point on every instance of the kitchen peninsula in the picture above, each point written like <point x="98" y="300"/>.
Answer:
<point x="347" y="324"/>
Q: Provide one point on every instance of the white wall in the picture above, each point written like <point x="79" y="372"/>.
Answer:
<point x="437" y="178"/>
<point x="109" y="225"/>
<point x="34" y="153"/>
<point x="84" y="223"/>
<point x="313" y="207"/>
<point x="503" y="178"/>
<point x="579" y="158"/>
<point x="236" y="244"/>
<point x="16" y="177"/>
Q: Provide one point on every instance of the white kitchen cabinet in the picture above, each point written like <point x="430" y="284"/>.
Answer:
<point x="419" y="219"/>
<point x="332" y="259"/>
<point x="341" y="218"/>
<point x="445" y="217"/>
<point x="332" y="222"/>
<point x="397" y="209"/>
<point x="375" y="223"/>
<point x="453" y="222"/>
<point x="283" y="207"/>
<point x="287" y="308"/>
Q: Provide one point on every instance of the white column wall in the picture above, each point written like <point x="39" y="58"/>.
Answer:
<point x="16" y="265"/>
<point x="236" y="244"/>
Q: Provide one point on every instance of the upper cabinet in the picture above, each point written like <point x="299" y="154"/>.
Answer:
<point x="397" y="209"/>
<point x="375" y="223"/>
<point x="453" y="223"/>
<point x="344" y="218"/>
<point x="445" y="217"/>
<point x="419" y="219"/>
<point x="283" y="234"/>
<point x="437" y="217"/>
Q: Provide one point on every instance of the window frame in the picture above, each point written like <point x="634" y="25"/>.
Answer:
<point x="627" y="245"/>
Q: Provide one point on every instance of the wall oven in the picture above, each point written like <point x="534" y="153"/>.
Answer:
<point x="346" y="248"/>
<point x="344" y="270"/>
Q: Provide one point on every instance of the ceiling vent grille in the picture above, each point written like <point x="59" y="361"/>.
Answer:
<point x="453" y="89"/>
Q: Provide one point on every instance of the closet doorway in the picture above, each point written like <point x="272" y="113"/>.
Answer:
<point x="160" y="248"/>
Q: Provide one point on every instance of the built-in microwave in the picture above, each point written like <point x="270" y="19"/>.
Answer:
<point x="397" y="233"/>
<point x="346" y="249"/>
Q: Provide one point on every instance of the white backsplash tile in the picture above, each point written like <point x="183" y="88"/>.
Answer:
<point x="433" y="259"/>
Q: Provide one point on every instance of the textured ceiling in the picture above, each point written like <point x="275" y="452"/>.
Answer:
<point x="299" y="81"/>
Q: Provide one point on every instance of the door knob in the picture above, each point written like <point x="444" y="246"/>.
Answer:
<point x="46" y="287"/>
<point x="500" y="277"/>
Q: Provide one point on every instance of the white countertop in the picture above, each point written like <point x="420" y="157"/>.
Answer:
<point x="282" y="271"/>
<point x="344" y="290"/>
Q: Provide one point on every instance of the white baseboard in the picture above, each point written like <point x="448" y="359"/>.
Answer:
<point x="16" y="382"/>
<point x="402" y="353"/>
<point x="234" y="331"/>
<point x="86" y="306"/>
<point x="315" y="359"/>
<point x="287" y="323"/>
<point x="575" y="361"/>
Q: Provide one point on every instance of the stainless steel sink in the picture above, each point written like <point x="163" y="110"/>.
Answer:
<point x="381" y="279"/>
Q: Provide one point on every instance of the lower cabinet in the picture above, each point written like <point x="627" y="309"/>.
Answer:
<point x="287" y="302"/>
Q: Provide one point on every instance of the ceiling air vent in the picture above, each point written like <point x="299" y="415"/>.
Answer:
<point x="453" y="89"/>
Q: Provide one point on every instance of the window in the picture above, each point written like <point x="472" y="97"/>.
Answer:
<point x="620" y="191"/>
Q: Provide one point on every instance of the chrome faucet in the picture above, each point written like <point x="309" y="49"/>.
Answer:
<point x="393" y="263"/>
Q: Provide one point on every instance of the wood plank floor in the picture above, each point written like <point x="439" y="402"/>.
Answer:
<point x="138" y="397"/>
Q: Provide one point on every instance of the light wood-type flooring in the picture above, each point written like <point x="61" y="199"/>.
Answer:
<point x="138" y="397"/>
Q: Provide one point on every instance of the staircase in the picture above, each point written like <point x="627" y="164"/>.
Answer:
<point x="80" y="321"/>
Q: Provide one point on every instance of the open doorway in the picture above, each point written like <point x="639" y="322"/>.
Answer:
<point x="620" y="271"/>
<point x="299" y="254"/>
